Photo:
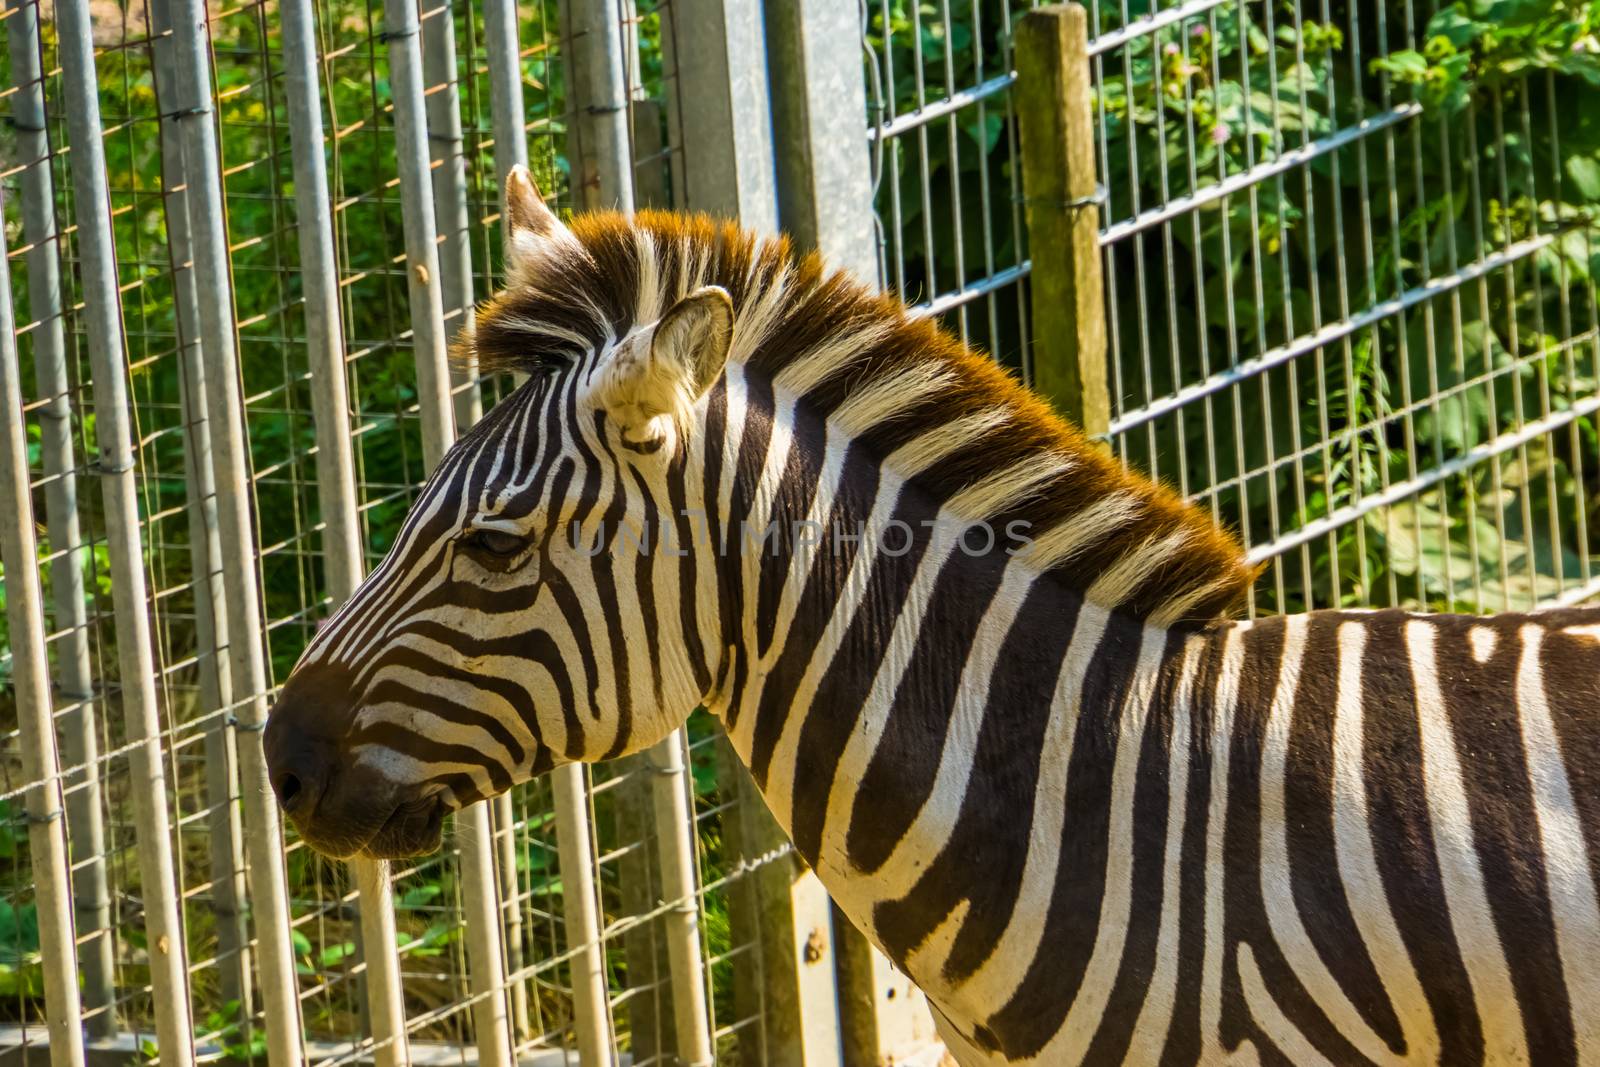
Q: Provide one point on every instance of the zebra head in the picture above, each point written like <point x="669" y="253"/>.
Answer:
<point x="495" y="641"/>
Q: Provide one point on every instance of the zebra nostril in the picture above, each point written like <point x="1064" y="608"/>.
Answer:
<point x="289" y="792"/>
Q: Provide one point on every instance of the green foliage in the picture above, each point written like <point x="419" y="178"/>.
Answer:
<point x="21" y="974"/>
<point x="1507" y="152"/>
<point x="238" y="1040"/>
<point x="1489" y="44"/>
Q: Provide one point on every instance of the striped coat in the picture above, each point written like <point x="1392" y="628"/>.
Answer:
<point x="983" y="675"/>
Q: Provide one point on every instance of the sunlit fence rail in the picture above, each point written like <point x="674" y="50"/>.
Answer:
<point x="1349" y="304"/>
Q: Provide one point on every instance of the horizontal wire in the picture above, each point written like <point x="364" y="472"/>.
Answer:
<point x="1328" y="334"/>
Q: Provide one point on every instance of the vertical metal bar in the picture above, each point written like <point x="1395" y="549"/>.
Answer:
<point x="422" y="254"/>
<point x="819" y="106"/>
<point x="602" y="54"/>
<point x="503" y="46"/>
<point x="479" y="889"/>
<point x="235" y="526"/>
<point x="825" y="200"/>
<point x="598" y="103"/>
<point x="205" y="548"/>
<point x="721" y="64"/>
<point x="600" y="178"/>
<point x="591" y="1021"/>
<point x="115" y="458"/>
<point x="729" y="170"/>
<point x="386" y="1004"/>
<point x="675" y="835"/>
<point x="30" y="681"/>
<point x="639" y="868"/>
<point x="443" y="98"/>
<point x="648" y="170"/>
<point x="504" y="821"/>
<point x="575" y="851"/>
<point x="455" y="265"/>
<point x="480" y="901"/>
<point x="336" y="479"/>
<point x="74" y="675"/>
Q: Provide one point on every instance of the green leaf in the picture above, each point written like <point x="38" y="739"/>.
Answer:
<point x="19" y="931"/>
<point x="333" y="955"/>
<point x="419" y="895"/>
<point x="1408" y="66"/>
<point x="1454" y="26"/>
<point x="1584" y="173"/>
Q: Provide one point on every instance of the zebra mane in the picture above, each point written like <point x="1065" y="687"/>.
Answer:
<point x="949" y="420"/>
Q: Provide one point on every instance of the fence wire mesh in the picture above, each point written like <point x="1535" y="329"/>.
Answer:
<point x="1349" y="271"/>
<point x="1351" y="313"/>
<point x="145" y="185"/>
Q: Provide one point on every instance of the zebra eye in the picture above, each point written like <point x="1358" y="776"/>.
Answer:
<point x="495" y="545"/>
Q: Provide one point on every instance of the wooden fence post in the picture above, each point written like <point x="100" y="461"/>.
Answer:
<point x="1059" y="183"/>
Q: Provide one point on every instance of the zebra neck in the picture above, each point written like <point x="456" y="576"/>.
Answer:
<point x="901" y="709"/>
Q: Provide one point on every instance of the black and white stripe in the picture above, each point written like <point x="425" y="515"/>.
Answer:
<point x="1089" y="834"/>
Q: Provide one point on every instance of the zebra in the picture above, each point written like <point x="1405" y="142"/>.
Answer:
<point x="989" y="680"/>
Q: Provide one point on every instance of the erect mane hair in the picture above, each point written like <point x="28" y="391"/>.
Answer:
<point x="950" y="420"/>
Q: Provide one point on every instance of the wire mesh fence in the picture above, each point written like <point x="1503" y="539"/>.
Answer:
<point x="1350" y="312"/>
<point x="1349" y="270"/>
<point x="137" y="78"/>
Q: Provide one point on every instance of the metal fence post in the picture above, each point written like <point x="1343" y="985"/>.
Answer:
<point x="503" y="45"/>
<point x="720" y="57"/>
<point x="825" y="200"/>
<point x="580" y="907"/>
<point x="819" y="105"/>
<point x="601" y="55"/>
<point x="228" y="898"/>
<point x="443" y="100"/>
<point x="602" y="157"/>
<point x="1056" y="116"/>
<point x="728" y="169"/>
<point x="30" y="681"/>
<point x="443" y="97"/>
<point x="336" y="479"/>
<point x="241" y="579"/>
<point x="645" y="872"/>
<point x="74" y="673"/>
<point x="474" y="834"/>
<point x="236" y="528"/>
<point x="675" y="833"/>
<point x="424" y="292"/>
<point x="115" y="459"/>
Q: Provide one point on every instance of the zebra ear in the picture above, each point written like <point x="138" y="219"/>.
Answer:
<point x="695" y="334"/>
<point x="685" y="353"/>
<point x="534" y="235"/>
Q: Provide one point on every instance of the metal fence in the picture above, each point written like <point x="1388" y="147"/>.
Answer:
<point x="1359" y="325"/>
<point x="1356" y="320"/>
<point x="247" y="235"/>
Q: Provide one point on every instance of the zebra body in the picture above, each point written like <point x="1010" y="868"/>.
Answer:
<point x="979" y="675"/>
<point x="1340" y="837"/>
